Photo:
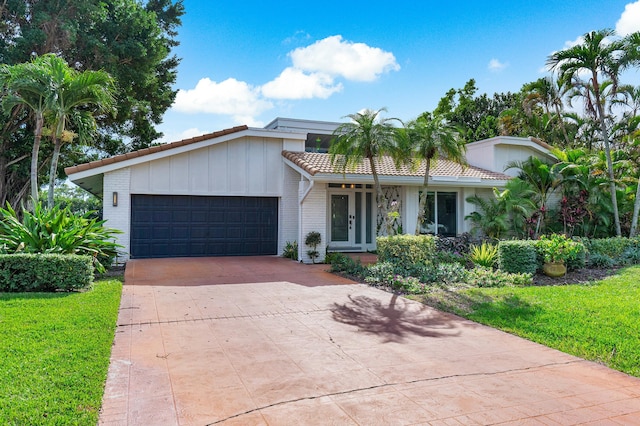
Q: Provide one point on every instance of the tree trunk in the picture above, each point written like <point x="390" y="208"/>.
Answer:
<point x="607" y="151"/>
<point x="381" y="200"/>
<point x="53" y="171"/>
<point x="636" y="211"/>
<point x="34" y="156"/>
<point x="423" y="199"/>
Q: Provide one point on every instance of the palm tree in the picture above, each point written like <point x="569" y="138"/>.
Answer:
<point x="490" y="216"/>
<point x="602" y="58"/>
<point x="424" y="140"/>
<point x="548" y="93"/>
<point x="75" y="92"/>
<point x="366" y="136"/>
<point x="543" y="177"/>
<point x="29" y="85"/>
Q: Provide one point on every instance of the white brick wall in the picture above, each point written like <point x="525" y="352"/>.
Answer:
<point x="288" y="215"/>
<point x="119" y="216"/>
<point x="313" y="218"/>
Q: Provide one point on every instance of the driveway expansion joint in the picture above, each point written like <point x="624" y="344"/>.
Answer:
<point x="384" y="385"/>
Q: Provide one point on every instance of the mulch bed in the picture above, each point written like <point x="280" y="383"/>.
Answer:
<point x="580" y="276"/>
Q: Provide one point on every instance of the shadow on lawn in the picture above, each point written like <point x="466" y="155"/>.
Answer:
<point x="395" y="320"/>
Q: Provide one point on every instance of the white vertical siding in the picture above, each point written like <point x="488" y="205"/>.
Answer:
<point x="288" y="217"/>
<point x="313" y="218"/>
<point x="119" y="216"/>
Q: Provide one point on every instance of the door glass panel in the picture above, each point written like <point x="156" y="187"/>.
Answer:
<point x="358" y="222"/>
<point x="339" y="217"/>
<point x="368" y="218"/>
<point x="429" y="225"/>
<point x="447" y="215"/>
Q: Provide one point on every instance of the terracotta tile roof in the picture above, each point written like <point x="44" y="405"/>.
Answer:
<point x="150" y="150"/>
<point x="314" y="163"/>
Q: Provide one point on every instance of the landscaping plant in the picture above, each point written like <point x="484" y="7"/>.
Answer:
<point x="57" y="231"/>
<point x="313" y="240"/>
<point x="484" y="255"/>
<point x="290" y="250"/>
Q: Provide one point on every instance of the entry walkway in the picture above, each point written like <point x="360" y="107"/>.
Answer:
<point x="303" y="349"/>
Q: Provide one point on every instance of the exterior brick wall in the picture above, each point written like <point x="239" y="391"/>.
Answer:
<point x="119" y="216"/>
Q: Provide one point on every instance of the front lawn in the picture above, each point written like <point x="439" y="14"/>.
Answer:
<point x="598" y="321"/>
<point x="54" y="354"/>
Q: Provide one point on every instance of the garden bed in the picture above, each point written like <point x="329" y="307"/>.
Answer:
<point x="580" y="276"/>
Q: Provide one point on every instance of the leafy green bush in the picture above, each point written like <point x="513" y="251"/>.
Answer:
<point x="579" y="261"/>
<point x="613" y="247"/>
<point x="517" y="256"/>
<point x="631" y="256"/>
<point x="484" y="255"/>
<point x="488" y="277"/>
<point x="406" y="250"/>
<point x="57" y="231"/>
<point x="449" y="257"/>
<point x="557" y="248"/>
<point x="313" y="239"/>
<point x="601" y="261"/>
<point x="380" y="273"/>
<point x="44" y="272"/>
<point x="343" y="263"/>
<point x="409" y="285"/>
<point x="290" y="250"/>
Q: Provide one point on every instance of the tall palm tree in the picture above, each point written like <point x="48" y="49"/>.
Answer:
<point x="548" y="93"/>
<point x="425" y="140"/>
<point x="29" y="85"/>
<point x="602" y="58"/>
<point x="74" y="94"/>
<point x="366" y="136"/>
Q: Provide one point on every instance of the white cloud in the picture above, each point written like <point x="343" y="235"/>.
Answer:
<point x="229" y="97"/>
<point x="496" y="66"/>
<point x="629" y="21"/>
<point x="293" y="83"/>
<point x="335" y="57"/>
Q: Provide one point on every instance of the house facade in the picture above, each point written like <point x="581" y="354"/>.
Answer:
<point x="249" y="191"/>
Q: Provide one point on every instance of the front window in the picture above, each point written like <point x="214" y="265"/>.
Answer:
<point x="441" y="214"/>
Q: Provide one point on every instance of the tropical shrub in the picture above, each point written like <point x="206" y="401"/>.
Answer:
<point x="484" y="255"/>
<point x="517" y="256"/>
<point x="631" y="256"/>
<point x="449" y="257"/>
<point x="290" y="250"/>
<point x="612" y="247"/>
<point x="343" y="263"/>
<point x="406" y="250"/>
<point x="556" y="248"/>
<point x="57" y="231"/>
<point x="579" y="261"/>
<point x="409" y="285"/>
<point x="601" y="261"/>
<point x="380" y="273"/>
<point x="457" y="245"/>
<point x="488" y="277"/>
<point x="44" y="272"/>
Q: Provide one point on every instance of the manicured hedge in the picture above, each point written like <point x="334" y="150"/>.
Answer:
<point x="517" y="256"/>
<point x="406" y="250"/>
<point x="613" y="247"/>
<point x="45" y="272"/>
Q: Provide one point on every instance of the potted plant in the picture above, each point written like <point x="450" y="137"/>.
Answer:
<point x="556" y="250"/>
<point x="313" y="240"/>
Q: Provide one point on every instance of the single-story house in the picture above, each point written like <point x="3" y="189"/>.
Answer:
<point x="249" y="191"/>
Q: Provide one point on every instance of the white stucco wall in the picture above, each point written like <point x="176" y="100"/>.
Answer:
<point x="119" y="216"/>
<point x="313" y="217"/>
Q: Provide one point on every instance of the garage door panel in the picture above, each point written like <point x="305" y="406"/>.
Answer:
<point x="168" y="226"/>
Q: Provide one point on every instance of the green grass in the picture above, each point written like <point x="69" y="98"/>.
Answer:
<point x="598" y="321"/>
<point x="54" y="354"/>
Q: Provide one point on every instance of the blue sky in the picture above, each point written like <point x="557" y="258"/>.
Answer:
<point x="247" y="62"/>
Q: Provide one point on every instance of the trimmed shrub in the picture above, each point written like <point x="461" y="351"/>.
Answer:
<point x="45" y="272"/>
<point x="343" y="263"/>
<point x="487" y="277"/>
<point x="517" y="256"/>
<point x="406" y="250"/>
<point x="613" y="247"/>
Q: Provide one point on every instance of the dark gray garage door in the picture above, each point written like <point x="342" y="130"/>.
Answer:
<point x="186" y="226"/>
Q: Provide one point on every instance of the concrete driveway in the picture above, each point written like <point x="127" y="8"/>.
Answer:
<point x="251" y="341"/>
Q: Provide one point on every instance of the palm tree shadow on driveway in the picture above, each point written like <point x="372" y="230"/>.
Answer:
<point x="396" y="320"/>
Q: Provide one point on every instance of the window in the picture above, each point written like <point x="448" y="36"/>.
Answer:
<point x="441" y="214"/>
